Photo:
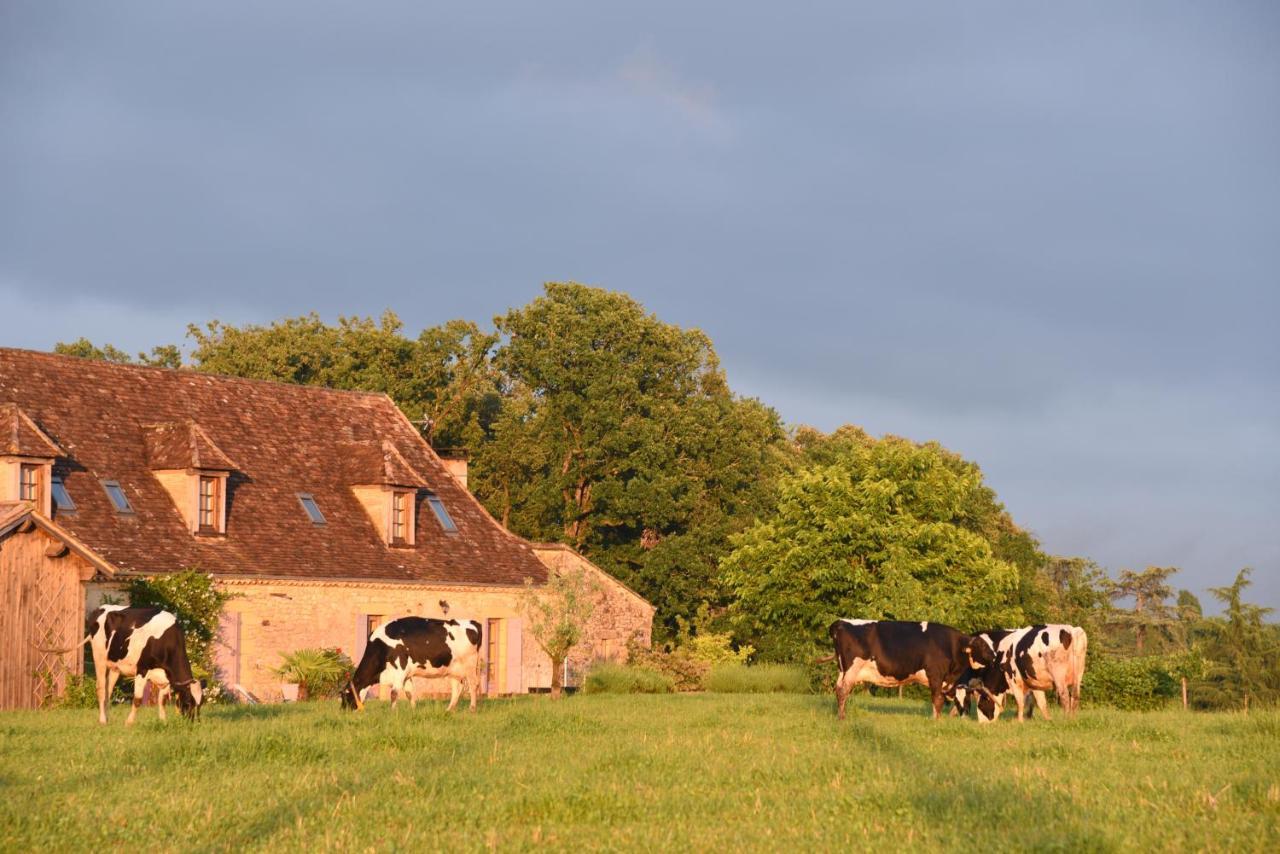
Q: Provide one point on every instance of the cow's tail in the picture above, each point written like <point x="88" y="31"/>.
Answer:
<point x="833" y="631"/>
<point x="825" y="659"/>
<point x="1079" y="651"/>
<point x="53" y="651"/>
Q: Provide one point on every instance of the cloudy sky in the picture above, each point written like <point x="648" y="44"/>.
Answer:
<point x="1046" y="235"/>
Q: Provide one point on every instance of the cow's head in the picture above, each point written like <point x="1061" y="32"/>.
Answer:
<point x="987" y="687"/>
<point x="351" y="697"/>
<point x="979" y="653"/>
<point x="190" y="696"/>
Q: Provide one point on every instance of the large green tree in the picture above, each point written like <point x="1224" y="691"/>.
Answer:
<point x="163" y="356"/>
<point x="620" y="437"/>
<point x="1150" y="591"/>
<point x="877" y="529"/>
<point x="442" y="379"/>
<point x="1244" y="652"/>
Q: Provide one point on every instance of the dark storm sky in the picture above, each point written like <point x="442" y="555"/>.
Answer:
<point x="1046" y="235"/>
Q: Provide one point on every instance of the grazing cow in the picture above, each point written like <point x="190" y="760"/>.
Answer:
<point x="146" y="644"/>
<point x="888" y="653"/>
<point x="416" y="646"/>
<point x="1032" y="660"/>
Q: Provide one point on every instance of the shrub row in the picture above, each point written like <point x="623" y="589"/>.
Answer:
<point x="728" y="678"/>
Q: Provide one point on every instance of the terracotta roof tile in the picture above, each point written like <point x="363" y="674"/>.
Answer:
<point x="183" y="445"/>
<point x="21" y="437"/>
<point x="380" y="463"/>
<point x="282" y="440"/>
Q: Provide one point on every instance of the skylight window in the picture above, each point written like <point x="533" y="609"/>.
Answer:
<point x="62" y="498"/>
<point x="118" y="499"/>
<point x="437" y="506"/>
<point x="313" y="511"/>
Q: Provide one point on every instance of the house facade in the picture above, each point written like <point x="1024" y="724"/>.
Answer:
<point x="323" y="512"/>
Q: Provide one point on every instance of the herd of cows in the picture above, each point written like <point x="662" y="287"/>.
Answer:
<point x="147" y="644"/>
<point x="987" y="666"/>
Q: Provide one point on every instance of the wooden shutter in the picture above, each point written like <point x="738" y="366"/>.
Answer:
<point x="229" y="653"/>
<point x="515" y="656"/>
<point x="362" y="638"/>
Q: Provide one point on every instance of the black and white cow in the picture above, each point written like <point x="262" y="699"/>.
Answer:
<point x="1032" y="660"/>
<point x="888" y="653"/>
<point x="146" y="644"/>
<point x="417" y="646"/>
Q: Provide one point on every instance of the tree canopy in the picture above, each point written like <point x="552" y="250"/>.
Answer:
<point x="592" y="422"/>
<point x="875" y="529"/>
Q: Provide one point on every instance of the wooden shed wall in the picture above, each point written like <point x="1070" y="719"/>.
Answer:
<point x="41" y="605"/>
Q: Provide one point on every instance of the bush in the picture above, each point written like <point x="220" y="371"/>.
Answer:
<point x="1135" y="684"/>
<point x="696" y="650"/>
<point x="623" y="679"/>
<point x="320" y="672"/>
<point x="80" y="692"/>
<point x="733" y="678"/>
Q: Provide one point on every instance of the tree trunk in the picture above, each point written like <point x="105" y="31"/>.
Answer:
<point x="1184" y="693"/>
<point x="557" y="672"/>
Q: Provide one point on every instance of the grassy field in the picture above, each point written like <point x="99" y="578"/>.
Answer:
<point x="629" y="772"/>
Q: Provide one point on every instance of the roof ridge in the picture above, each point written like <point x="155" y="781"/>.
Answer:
<point x="189" y="371"/>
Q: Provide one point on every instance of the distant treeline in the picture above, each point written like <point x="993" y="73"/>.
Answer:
<point x="591" y="422"/>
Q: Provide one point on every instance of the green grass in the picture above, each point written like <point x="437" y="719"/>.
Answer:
<point x="670" y="772"/>
<point x="623" y="679"/>
<point x="735" y="678"/>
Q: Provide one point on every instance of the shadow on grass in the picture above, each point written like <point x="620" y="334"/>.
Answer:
<point x="965" y="794"/>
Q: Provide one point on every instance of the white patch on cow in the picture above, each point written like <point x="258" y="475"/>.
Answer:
<point x="924" y="626"/>
<point x="853" y="622"/>
<point x="150" y="630"/>
<point x="197" y="692"/>
<point x="380" y="634"/>
<point x="866" y="670"/>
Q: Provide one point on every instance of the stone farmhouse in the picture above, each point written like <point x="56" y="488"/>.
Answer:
<point x="323" y="512"/>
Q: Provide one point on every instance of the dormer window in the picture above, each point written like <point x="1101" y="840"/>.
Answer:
<point x="387" y="488"/>
<point x="29" y="483"/>
<point x="62" y="498"/>
<point x="210" y="504"/>
<point x="399" y="517"/>
<point x="193" y="470"/>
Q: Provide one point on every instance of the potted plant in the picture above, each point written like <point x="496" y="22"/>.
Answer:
<point x="312" y="673"/>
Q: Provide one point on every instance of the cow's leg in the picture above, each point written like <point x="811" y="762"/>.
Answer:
<point x="1041" y="703"/>
<point x="162" y="694"/>
<point x="471" y="690"/>
<point x="1020" y="697"/>
<point x="100" y="676"/>
<point x="844" y="686"/>
<point x="936" y="693"/>
<point x="1062" y="687"/>
<point x="455" y="691"/>
<point x="112" y="677"/>
<point x="139" y="687"/>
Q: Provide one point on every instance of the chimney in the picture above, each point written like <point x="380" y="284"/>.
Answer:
<point x="455" y="463"/>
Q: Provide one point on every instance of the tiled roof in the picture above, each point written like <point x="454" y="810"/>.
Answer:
<point x="277" y="440"/>
<point x="370" y="463"/>
<point x="21" y="437"/>
<point x="182" y="445"/>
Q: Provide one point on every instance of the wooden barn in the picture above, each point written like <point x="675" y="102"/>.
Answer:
<point x="323" y="512"/>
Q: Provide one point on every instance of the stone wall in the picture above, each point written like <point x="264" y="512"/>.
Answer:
<point x="620" y="614"/>
<point x="267" y="618"/>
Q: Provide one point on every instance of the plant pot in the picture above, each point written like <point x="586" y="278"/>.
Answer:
<point x="291" y="691"/>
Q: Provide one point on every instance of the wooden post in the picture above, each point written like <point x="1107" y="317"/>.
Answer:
<point x="1184" y="693"/>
